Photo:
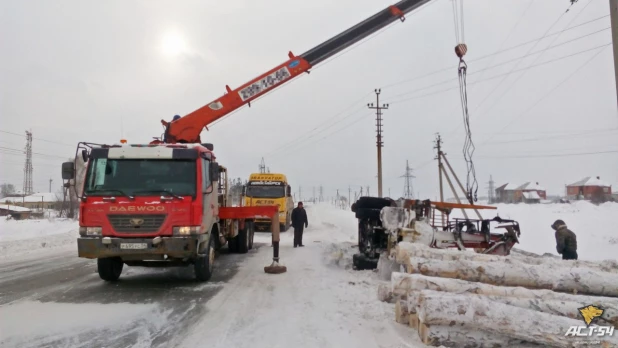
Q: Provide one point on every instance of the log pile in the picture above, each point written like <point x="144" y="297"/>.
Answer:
<point x="464" y="299"/>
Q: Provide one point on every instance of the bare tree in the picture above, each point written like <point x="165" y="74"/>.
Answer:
<point x="6" y="189"/>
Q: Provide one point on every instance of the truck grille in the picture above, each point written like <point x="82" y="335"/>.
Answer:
<point x="136" y="223"/>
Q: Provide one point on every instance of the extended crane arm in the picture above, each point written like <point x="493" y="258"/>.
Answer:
<point x="187" y="129"/>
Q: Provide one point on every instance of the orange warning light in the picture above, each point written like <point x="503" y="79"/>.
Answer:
<point x="123" y="141"/>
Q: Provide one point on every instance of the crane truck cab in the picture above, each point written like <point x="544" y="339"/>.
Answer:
<point x="270" y="189"/>
<point x="156" y="205"/>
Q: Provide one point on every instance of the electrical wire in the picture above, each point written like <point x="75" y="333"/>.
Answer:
<point x="491" y="54"/>
<point x="512" y="84"/>
<point x="551" y="155"/>
<point x="538" y="101"/>
<point x="517" y="64"/>
<point x="507" y="62"/>
<point x="496" y="76"/>
<point x="324" y="63"/>
<point x="13" y="151"/>
<point x="39" y="139"/>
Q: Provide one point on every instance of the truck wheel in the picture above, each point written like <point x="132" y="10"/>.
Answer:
<point x="251" y="230"/>
<point x="243" y="239"/>
<point x="110" y="268"/>
<point x="204" y="263"/>
<point x="282" y="227"/>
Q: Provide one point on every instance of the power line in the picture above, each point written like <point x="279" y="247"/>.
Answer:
<point x="309" y="136"/>
<point x="300" y="143"/>
<point x="517" y="64"/>
<point x="535" y="59"/>
<point x="491" y="54"/>
<point x="13" y="151"/>
<point x="39" y="139"/>
<point x="518" y="117"/>
<point x="572" y="135"/>
<point x="552" y="155"/>
<point x="497" y="76"/>
<point x="354" y="46"/>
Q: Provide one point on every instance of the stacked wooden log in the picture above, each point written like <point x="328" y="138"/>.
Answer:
<point x="464" y="299"/>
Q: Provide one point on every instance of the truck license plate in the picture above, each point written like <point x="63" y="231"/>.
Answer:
<point x="133" y="245"/>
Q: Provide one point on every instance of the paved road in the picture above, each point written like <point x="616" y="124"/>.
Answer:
<point x="48" y="302"/>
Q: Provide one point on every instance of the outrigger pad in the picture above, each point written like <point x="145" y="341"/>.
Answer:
<point x="361" y="262"/>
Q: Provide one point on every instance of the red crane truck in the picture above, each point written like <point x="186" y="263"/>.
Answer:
<point x="167" y="203"/>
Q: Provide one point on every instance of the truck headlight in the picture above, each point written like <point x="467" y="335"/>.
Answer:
<point x="282" y="214"/>
<point x="90" y="231"/>
<point x="186" y="230"/>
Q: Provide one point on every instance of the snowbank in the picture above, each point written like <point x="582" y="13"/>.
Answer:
<point x="27" y="236"/>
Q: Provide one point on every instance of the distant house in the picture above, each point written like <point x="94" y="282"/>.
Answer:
<point x="530" y="193"/>
<point x="506" y="193"/>
<point x="16" y="212"/>
<point x="43" y="200"/>
<point x="589" y="188"/>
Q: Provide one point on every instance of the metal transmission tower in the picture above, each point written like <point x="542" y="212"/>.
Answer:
<point x="492" y="190"/>
<point x="27" y="190"/>
<point x="262" y="166"/>
<point x="379" y="143"/>
<point x="408" y="189"/>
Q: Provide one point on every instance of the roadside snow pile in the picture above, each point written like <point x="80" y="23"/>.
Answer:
<point x="50" y="323"/>
<point x="26" y="236"/>
<point x="594" y="226"/>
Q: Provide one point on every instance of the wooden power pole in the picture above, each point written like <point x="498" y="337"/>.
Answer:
<point x="613" y="12"/>
<point x="379" y="143"/>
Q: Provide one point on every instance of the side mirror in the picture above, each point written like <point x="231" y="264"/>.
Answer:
<point x="68" y="171"/>
<point x="213" y="171"/>
<point x="85" y="155"/>
<point x="244" y="190"/>
<point x="289" y="189"/>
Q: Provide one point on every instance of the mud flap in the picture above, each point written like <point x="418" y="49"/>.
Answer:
<point x="386" y="267"/>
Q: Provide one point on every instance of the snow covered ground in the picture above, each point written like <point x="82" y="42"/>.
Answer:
<point x="21" y="237"/>
<point x="319" y="302"/>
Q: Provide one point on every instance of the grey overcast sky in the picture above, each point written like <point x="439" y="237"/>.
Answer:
<point x="98" y="70"/>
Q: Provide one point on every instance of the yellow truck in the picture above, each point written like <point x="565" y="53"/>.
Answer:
<point x="269" y="189"/>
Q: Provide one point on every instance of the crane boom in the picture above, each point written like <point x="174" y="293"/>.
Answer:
<point x="188" y="128"/>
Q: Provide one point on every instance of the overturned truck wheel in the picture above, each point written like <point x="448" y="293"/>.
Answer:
<point x="361" y="262"/>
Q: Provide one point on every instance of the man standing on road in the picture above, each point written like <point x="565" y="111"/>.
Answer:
<point x="299" y="222"/>
<point x="566" y="241"/>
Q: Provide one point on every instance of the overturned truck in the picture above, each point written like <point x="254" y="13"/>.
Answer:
<point x="384" y="222"/>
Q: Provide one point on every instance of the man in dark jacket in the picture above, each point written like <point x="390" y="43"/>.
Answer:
<point x="566" y="241"/>
<point x="299" y="222"/>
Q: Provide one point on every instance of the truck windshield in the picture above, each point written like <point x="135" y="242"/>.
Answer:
<point x="140" y="177"/>
<point x="265" y="191"/>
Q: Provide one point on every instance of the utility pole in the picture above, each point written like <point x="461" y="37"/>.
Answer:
<point x="613" y="12"/>
<point x="349" y="195"/>
<point x="368" y="191"/>
<point x="27" y="189"/>
<point x="379" y="143"/>
<point x="440" y="168"/>
<point x="300" y="193"/>
<point x="321" y="193"/>
<point x="408" y="190"/>
<point x="361" y="192"/>
<point x="491" y="192"/>
<point x="50" y="182"/>
<point x="313" y="195"/>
